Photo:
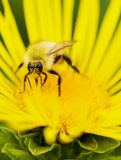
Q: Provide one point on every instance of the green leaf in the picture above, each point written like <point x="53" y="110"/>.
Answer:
<point x="116" y="153"/>
<point x="105" y="156"/>
<point x="42" y="152"/>
<point x="88" y="142"/>
<point x="36" y="135"/>
<point x="97" y="144"/>
<point x="114" y="158"/>
<point x="29" y="134"/>
<point x="4" y="157"/>
<point x="96" y="156"/>
<point x="51" y="155"/>
<point x="7" y="136"/>
<point x="70" y="151"/>
<point x="105" y="144"/>
<point x="84" y="154"/>
<point x="36" y="149"/>
<point x="16" y="154"/>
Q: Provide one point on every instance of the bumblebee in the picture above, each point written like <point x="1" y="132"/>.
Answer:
<point x="41" y="56"/>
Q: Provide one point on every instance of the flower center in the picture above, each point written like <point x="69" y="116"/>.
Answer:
<point x="76" y="111"/>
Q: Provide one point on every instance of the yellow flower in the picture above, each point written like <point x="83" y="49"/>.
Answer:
<point x="90" y="101"/>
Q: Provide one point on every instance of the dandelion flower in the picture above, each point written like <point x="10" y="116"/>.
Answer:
<point x="90" y="101"/>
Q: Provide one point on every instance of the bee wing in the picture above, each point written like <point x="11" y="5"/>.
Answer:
<point x="60" y="46"/>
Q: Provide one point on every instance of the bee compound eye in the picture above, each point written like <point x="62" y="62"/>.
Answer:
<point x="39" y="65"/>
<point x="30" y="65"/>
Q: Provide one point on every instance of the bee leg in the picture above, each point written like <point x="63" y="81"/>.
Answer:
<point x="41" y="80"/>
<point x="57" y="59"/>
<point x="19" y="67"/>
<point x="69" y="62"/>
<point x="36" y="80"/>
<point x="45" y="78"/>
<point x="25" y="79"/>
<point x="59" y="80"/>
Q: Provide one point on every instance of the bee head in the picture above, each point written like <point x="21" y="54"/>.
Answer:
<point x="36" y="66"/>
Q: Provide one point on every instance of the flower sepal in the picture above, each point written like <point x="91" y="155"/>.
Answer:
<point x="32" y="146"/>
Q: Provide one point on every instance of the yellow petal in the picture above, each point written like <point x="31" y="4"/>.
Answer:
<point x="8" y="71"/>
<point x="44" y="22"/>
<point x="68" y="6"/>
<point x="6" y="84"/>
<point x="50" y="135"/>
<point x="8" y="38"/>
<point x="91" y="34"/>
<point x="105" y="34"/>
<point x="80" y="30"/>
<point x="31" y="20"/>
<point x="57" y="20"/>
<point x="115" y="89"/>
<point x="112" y="59"/>
<point x="12" y="28"/>
<point x="5" y="55"/>
<point x="112" y="132"/>
<point x="115" y="78"/>
<point x="115" y="99"/>
<point x="65" y="138"/>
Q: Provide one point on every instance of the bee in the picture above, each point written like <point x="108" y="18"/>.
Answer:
<point x="41" y="56"/>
